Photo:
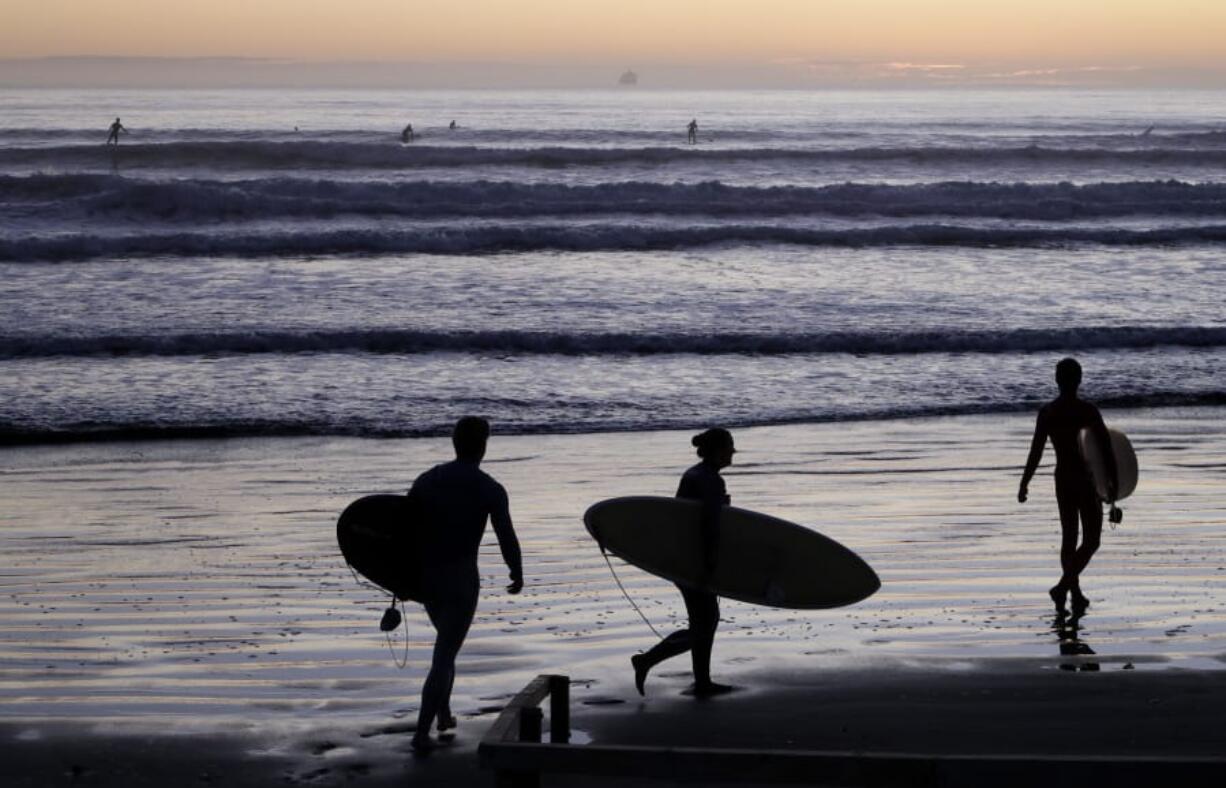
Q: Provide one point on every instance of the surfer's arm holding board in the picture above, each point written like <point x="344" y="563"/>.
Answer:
<point x="508" y="543"/>
<point x="1099" y="429"/>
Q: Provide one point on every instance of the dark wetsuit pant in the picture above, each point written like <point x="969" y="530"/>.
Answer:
<point x="451" y="605"/>
<point x="703" y="610"/>
<point x="1077" y="500"/>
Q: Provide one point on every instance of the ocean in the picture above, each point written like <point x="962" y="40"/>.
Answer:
<point x="216" y="335"/>
<point x="277" y="263"/>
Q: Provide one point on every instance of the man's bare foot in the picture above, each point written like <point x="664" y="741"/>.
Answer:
<point x="639" y="661"/>
<point x="1057" y="594"/>
<point x="446" y="722"/>
<point x="709" y="689"/>
<point x="1080" y="602"/>
<point x="422" y="745"/>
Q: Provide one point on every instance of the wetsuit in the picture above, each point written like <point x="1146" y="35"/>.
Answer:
<point x="704" y="484"/>
<point x="453" y="501"/>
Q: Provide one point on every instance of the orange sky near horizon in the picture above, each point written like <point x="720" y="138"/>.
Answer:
<point x="1138" y="33"/>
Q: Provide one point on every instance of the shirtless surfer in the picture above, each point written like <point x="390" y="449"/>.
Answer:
<point x="1062" y="420"/>
<point x="113" y="137"/>
<point x="454" y="500"/>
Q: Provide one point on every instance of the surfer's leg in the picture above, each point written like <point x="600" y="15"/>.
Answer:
<point x="1066" y="501"/>
<point x="703" y="609"/>
<point x="1091" y="537"/>
<point x="676" y="643"/>
<point x="451" y="620"/>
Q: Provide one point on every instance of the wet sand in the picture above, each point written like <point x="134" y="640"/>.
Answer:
<point x="161" y="595"/>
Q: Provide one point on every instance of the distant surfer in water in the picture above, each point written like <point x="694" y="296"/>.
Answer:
<point x="407" y="134"/>
<point x="1062" y="420"/>
<point x="700" y="483"/>
<point x="452" y="126"/>
<point x="454" y="500"/>
<point x="692" y="131"/>
<point x="113" y="137"/>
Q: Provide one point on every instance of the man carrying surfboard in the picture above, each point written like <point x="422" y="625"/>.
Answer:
<point x="700" y="483"/>
<point x="1062" y="420"/>
<point x="453" y="502"/>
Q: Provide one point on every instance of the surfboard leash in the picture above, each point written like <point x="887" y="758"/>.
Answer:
<point x="626" y="594"/>
<point x="387" y="633"/>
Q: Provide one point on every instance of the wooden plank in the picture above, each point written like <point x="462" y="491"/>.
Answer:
<point x="559" y="709"/>
<point x="506" y="727"/>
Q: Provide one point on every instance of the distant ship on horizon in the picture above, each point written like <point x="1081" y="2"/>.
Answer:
<point x="628" y="78"/>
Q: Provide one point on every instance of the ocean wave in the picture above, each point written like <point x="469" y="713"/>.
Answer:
<point x="394" y="341"/>
<point x="504" y="238"/>
<point x="189" y="200"/>
<point x="362" y="155"/>
<point x="12" y="433"/>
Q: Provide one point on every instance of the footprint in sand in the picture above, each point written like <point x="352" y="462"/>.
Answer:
<point x="602" y="701"/>
<point x="403" y="727"/>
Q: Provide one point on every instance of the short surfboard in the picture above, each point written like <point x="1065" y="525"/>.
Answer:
<point x="377" y="537"/>
<point x="762" y="560"/>
<point x="1092" y="452"/>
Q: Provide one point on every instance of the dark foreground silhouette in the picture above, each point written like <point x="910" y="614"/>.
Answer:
<point x="1062" y="420"/>
<point x="700" y="483"/>
<point x="453" y="502"/>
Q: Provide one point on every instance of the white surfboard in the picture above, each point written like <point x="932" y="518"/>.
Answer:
<point x="762" y="559"/>
<point x="1092" y="452"/>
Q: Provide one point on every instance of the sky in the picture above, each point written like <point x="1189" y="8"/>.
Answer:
<point x="681" y="42"/>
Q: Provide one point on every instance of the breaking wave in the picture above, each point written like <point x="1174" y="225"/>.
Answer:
<point x="188" y="200"/>
<point x="506" y="238"/>
<point x="624" y="343"/>
<point x="264" y="154"/>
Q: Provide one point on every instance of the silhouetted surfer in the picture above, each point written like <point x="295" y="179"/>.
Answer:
<point x="701" y="483"/>
<point x="452" y="126"/>
<point x="692" y="131"/>
<point x="407" y="134"/>
<point x="113" y="137"/>
<point x="454" y="500"/>
<point x="1062" y="420"/>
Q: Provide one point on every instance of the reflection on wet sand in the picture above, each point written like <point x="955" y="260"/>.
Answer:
<point x="1068" y="632"/>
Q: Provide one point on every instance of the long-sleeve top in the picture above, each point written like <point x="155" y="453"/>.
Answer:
<point x="455" y="500"/>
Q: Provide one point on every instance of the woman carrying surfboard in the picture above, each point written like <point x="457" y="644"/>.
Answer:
<point x="1062" y="420"/>
<point x="701" y="483"/>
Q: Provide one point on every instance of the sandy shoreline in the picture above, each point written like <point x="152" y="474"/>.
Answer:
<point x="161" y="595"/>
<point x="996" y="707"/>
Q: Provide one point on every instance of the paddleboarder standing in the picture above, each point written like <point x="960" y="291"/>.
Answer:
<point x="700" y="483"/>
<point x="1062" y="420"/>
<point x="454" y="500"/>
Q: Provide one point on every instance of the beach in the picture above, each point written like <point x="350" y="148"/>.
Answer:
<point x="161" y="594"/>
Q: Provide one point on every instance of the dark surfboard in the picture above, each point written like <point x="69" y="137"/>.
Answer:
<point x="762" y="560"/>
<point x="378" y="538"/>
